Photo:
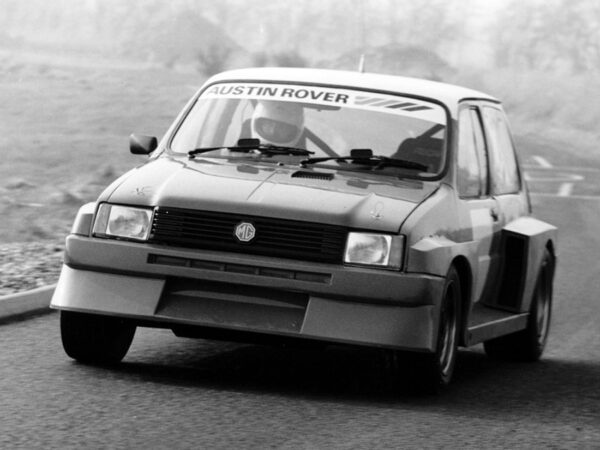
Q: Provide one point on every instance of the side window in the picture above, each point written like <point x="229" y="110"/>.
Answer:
<point x="503" y="163"/>
<point x="472" y="161"/>
<point x="482" y="153"/>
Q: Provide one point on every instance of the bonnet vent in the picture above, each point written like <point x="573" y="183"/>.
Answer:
<point x="313" y="175"/>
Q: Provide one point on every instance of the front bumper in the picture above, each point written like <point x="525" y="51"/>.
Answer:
<point x="242" y="293"/>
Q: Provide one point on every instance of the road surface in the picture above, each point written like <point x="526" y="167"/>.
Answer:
<point x="184" y="393"/>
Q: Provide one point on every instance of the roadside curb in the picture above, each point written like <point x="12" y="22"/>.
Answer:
<point x="35" y="300"/>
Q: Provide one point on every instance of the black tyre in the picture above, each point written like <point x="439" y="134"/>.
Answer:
<point x="95" y="339"/>
<point x="432" y="372"/>
<point x="529" y="344"/>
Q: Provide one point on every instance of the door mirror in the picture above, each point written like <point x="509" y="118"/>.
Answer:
<point x="142" y="145"/>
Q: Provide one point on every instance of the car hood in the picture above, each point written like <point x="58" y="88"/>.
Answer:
<point x="358" y="200"/>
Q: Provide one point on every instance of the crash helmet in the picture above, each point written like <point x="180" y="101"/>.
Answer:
<point x="278" y="123"/>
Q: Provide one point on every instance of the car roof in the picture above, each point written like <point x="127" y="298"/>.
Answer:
<point x="448" y="94"/>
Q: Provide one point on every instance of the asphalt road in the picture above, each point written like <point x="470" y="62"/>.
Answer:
<point x="184" y="393"/>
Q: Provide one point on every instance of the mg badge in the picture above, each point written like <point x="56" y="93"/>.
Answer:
<point x="245" y="231"/>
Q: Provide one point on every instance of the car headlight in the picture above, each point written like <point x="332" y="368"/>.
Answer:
<point x="123" y="222"/>
<point x="382" y="250"/>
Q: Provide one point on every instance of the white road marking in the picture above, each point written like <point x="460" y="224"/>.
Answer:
<point x="563" y="168"/>
<point x="562" y="179"/>
<point x="565" y="190"/>
<point x="542" y="162"/>
<point x="558" y="177"/>
<point x="571" y="197"/>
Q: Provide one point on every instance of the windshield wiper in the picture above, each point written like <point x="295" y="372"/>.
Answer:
<point x="200" y="150"/>
<point x="247" y="145"/>
<point x="366" y="157"/>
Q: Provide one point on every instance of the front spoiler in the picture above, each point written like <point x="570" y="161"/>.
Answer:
<point x="253" y="303"/>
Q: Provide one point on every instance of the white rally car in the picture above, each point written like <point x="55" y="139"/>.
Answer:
<point x="318" y="206"/>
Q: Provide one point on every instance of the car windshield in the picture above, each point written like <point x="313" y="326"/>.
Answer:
<point x="328" y="122"/>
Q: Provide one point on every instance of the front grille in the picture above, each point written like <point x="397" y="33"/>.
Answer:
<point x="274" y="237"/>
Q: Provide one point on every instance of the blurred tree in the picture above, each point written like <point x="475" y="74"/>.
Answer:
<point x="394" y="59"/>
<point x="259" y="59"/>
<point x="289" y="59"/>
<point x="558" y="34"/>
<point x="577" y="33"/>
<point x="427" y="23"/>
<point x="213" y="58"/>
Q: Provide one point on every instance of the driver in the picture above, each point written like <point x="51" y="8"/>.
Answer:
<point x="278" y="123"/>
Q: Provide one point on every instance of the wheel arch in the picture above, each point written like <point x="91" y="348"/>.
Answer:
<point x="465" y="275"/>
<point x="552" y="269"/>
<point x="550" y="246"/>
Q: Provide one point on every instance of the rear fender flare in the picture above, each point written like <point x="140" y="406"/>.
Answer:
<point x="524" y="242"/>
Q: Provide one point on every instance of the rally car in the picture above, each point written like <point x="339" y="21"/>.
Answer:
<point x="318" y="206"/>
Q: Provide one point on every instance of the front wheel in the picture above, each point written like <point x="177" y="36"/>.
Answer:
<point x="528" y="344"/>
<point x="432" y="372"/>
<point x="95" y="339"/>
